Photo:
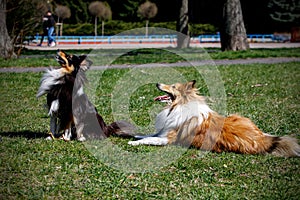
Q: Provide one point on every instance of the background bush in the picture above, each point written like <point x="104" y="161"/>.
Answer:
<point x="115" y="27"/>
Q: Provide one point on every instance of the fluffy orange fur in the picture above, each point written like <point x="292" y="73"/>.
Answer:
<point x="234" y="133"/>
<point x="218" y="133"/>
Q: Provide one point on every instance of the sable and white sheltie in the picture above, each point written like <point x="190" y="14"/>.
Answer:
<point x="189" y="121"/>
<point x="72" y="114"/>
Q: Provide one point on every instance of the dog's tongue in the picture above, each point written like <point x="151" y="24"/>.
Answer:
<point x="162" y="98"/>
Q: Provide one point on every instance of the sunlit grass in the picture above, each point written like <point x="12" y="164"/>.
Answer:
<point x="33" y="168"/>
<point x="34" y="58"/>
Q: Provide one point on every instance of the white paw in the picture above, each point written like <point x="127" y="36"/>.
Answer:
<point x="66" y="137"/>
<point x="133" y="143"/>
<point x="81" y="139"/>
<point x="49" y="138"/>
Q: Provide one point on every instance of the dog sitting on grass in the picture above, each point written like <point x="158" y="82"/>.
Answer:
<point x="72" y="115"/>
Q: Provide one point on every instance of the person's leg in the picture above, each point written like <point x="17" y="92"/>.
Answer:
<point x="45" y="33"/>
<point x="41" y="42"/>
<point x="50" y="31"/>
<point x="51" y="38"/>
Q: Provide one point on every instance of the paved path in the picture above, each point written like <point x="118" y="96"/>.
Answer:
<point x="178" y="64"/>
<point x="156" y="45"/>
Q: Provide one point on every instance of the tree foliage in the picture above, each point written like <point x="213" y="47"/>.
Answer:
<point x="79" y="10"/>
<point x="147" y="10"/>
<point x="114" y="27"/>
<point x="128" y="10"/>
<point x="285" y="10"/>
<point x="24" y="18"/>
<point x="97" y="8"/>
<point x="62" y="12"/>
<point x="105" y="16"/>
<point x="101" y="10"/>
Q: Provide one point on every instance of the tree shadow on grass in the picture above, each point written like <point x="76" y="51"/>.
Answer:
<point x="25" y="134"/>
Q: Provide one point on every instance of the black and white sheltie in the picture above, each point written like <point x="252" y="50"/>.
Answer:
<point x="72" y="115"/>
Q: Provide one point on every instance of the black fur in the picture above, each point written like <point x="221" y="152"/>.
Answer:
<point x="64" y="96"/>
<point x="275" y="143"/>
<point x="75" y="108"/>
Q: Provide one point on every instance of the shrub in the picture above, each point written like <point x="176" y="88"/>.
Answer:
<point x="199" y="29"/>
<point x="114" y="27"/>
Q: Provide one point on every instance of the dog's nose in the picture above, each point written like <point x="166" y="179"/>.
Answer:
<point x="157" y="85"/>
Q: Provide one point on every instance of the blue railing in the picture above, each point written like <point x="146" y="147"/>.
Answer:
<point x="251" y="38"/>
<point x="115" y="38"/>
<point x="154" y="38"/>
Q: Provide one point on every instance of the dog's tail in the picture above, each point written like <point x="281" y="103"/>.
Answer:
<point x="285" y="146"/>
<point x="121" y="129"/>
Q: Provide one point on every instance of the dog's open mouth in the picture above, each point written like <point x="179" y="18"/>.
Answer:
<point x="60" y="60"/>
<point x="163" y="98"/>
<point x="167" y="98"/>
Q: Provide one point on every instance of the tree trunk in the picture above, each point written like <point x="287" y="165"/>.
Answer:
<point x="147" y="24"/>
<point x="61" y="28"/>
<point x="102" y="30"/>
<point x="6" y="46"/>
<point x="183" y="38"/>
<point x="95" y="25"/>
<point x="233" y="32"/>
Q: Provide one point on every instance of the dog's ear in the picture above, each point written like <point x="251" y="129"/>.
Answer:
<point x="191" y="84"/>
<point x="61" y="53"/>
<point x="84" y="62"/>
<point x="82" y="58"/>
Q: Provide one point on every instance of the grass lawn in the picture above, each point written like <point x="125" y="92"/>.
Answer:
<point x="33" y="168"/>
<point x="35" y="58"/>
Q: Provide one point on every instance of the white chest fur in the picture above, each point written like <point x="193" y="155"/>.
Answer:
<point x="171" y="119"/>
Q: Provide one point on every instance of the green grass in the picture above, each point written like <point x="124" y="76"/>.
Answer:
<point x="33" y="168"/>
<point x="34" y="58"/>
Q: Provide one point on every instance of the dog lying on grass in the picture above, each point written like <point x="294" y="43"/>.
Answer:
<point x="188" y="121"/>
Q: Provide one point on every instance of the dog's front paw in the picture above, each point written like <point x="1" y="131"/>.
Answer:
<point x="49" y="138"/>
<point x="81" y="139"/>
<point x="133" y="143"/>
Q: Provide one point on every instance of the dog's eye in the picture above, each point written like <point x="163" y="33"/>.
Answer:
<point x="173" y="86"/>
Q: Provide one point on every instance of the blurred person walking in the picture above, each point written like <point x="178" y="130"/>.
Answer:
<point x="48" y="29"/>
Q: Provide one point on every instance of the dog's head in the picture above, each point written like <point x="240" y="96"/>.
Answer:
<point x="72" y="63"/>
<point x="178" y="92"/>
